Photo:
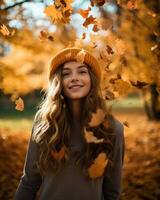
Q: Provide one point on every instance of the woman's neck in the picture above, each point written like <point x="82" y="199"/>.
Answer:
<point x="75" y="107"/>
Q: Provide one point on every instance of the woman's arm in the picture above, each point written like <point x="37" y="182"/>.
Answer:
<point x="31" y="179"/>
<point x="112" y="182"/>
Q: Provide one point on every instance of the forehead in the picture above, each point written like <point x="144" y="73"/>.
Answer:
<point x="73" y="65"/>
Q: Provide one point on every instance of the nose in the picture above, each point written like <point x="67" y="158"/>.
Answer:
<point x="74" y="77"/>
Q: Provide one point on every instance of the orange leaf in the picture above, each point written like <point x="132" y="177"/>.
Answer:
<point x="19" y="104"/>
<point x="90" y="138"/>
<point x="97" y="118"/>
<point x="59" y="154"/>
<point x="81" y="56"/>
<point x="84" y="13"/>
<point x="98" y="167"/>
<point x="131" y="5"/>
<point x="89" y="20"/>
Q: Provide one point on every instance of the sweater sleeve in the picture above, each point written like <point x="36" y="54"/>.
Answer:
<point x="31" y="179"/>
<point x="112" y="182"/>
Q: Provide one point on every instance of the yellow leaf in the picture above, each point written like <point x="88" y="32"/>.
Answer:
<point x="19" y="104"/>
<point x="98" y="167"/>
<point x="81" y="56"/>
<point x="52" y="12"/>
<point x="90" y="138"/>
<point x="97" y="118"/>
<point x="4" y="30"/>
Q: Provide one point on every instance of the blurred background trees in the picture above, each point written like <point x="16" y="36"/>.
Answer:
<point x="123" y="34"/>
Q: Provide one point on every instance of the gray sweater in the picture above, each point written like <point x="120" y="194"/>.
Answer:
<point x="69" y="184"/>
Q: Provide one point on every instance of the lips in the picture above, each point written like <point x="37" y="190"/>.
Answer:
<point x="75" y="86"/>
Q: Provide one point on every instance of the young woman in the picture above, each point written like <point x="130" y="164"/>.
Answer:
<point x="76" y="148"/>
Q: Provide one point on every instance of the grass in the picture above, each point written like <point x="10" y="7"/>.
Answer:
<point x="22" y="121"/>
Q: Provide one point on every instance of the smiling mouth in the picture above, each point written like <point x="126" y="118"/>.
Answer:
<point x="75" y="87"/>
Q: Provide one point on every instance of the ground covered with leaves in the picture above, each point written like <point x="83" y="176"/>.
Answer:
<point x="141" y="176"/>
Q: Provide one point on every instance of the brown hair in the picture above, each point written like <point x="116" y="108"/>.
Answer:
<point x="53" y="126"/>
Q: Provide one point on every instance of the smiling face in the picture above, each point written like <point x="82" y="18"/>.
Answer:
<point x="76" y="80"/>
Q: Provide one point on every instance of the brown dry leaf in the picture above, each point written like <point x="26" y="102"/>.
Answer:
<point x="109" y="95"/>
<point x="59" y="154"/>
<point x="95" y="28"/>
<point x="97" y="118"/>
<point x="139" y="84"/>
<point x="84" y="13"/>
<point x="89" y="20"/>
<point x="109" y="49"/>
<point x="83" y="36"/>
<point x="90" y="138"/>
<point x="19" y="104"/>
<point x="126" y="124"/>
<point x="44" y="35"/>
<point x="81" y="56"/>
<point x="97" y="2"/>
<point x="98" y="167"/>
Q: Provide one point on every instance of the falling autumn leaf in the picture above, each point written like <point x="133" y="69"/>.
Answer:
<point x="139" y="84"/>
<point x="84" y="13"/>
<point x="109" y="49"/>
<point x="89" y="20"/>
<point x="81" y="56"/>
<point x="98" y="167"/>
<point x="52" y="12"/>
<point x="90" y="138"/>
<point x="44" y="35"/>
<point x="95" y="28"/>
<point x="109" y="95"/>
<point x="126" y="124"/>
<point x="97" y="118"/>
<point x="19" y="104"/>
<point x="4" y="30"/>
<point x="93" y="44"/>
<point x="59" y="154"/>
<point x="132" y="5"/>
<point x="97" y="2"/>
<point x="83" y="36"/>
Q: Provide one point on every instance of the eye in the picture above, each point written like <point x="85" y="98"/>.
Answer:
<point x="83" y="72"/>
<point x="65" y="74"/>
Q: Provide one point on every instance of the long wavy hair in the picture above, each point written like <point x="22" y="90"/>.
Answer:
<point x="52" y="126"/>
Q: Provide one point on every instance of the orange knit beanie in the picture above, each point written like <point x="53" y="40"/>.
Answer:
<point x="70" y="54"/>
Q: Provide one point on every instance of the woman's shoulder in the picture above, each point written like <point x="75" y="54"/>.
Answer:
<point x="117" y="126"/>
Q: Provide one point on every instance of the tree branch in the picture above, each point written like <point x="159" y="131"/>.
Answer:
<point x="16" y="4"/>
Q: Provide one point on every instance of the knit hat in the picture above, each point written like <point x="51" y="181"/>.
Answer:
<point x="71" y="54"/>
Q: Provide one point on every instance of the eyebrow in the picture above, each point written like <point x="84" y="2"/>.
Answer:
<point x="81" y="66"/>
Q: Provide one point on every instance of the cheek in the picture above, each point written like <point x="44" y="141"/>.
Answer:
<point x="88" y="82"/>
